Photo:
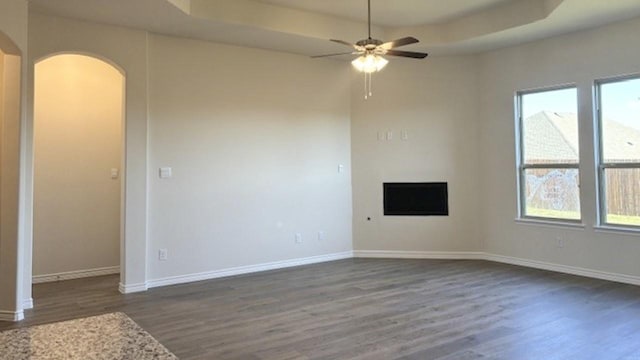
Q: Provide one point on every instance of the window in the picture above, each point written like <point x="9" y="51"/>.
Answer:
<point x="548" y="154"/>
<point x="618" y="135"/>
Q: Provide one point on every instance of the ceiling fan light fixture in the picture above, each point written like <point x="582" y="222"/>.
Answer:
<point x="369" y="63"/>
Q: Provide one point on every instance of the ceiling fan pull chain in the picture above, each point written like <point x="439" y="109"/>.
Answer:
<point x="365" y="86"/>
<point x="368" y="76"/>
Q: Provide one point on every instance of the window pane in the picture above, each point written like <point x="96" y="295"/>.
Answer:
<point x="552" y="193"/>
<point x="622" y="196"/>
<point x="621" y="121"/>
<point x="550" y="127"/>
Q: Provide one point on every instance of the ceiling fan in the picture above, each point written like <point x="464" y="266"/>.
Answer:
<point x="371" y="51"/>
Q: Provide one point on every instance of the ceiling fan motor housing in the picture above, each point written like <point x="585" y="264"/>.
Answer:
<point x="369" y="43"/>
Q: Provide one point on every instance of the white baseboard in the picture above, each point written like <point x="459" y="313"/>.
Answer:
<point x="11" y="316"/>
<point x="132" y="288"/>
<point x="573" y="270"/>
<point x="392" y="254"/>
<point x="27" y="304"/>
<point x="463" y="255"/>
<point x="172" y="280"/>
<point x="77" y="274"/>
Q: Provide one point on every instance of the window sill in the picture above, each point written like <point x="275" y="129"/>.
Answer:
<point x="550" y="223"/>
<point x="613" y="229"/>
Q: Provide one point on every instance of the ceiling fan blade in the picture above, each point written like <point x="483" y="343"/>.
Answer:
<point x="336" y="54"/>
<point x="346" y="43"/>
<point x="409" y="54"/>
<point x="400" y="42"/>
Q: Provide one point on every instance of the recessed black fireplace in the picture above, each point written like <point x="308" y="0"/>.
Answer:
<point x="416" y="199"/>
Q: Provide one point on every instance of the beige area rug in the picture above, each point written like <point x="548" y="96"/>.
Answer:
<point x="110" y="336"/>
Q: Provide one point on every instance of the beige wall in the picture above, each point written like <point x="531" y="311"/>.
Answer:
<point x="77" y="141"/>
<point x="2" y="56"/>
<point x="435" y="102"/>
<point x="579" y="59"/>
<point x="9" y="161"/>
<point x="9" y="176"/>
<point x="254" y="139"/>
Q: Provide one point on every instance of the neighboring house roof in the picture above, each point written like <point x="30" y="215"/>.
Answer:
<point x="622" y="143"/>
<point x="551" y="136"/>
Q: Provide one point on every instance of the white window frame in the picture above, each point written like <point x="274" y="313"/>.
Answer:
<point x="522" y="167"/>
<point x="601" y="166"/>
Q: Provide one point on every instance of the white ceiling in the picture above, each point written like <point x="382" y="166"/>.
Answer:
<point x="304" y="26"/>
<point x="392" y="13"/>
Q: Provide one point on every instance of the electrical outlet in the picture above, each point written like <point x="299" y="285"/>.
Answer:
<point x="320" y="235"/>
<point x="162" y="255"/>
<point x="165" y="172"/>
<point x="298" y="238"/>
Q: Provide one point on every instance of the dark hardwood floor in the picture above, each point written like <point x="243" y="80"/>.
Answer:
<point x="371" y="309"/>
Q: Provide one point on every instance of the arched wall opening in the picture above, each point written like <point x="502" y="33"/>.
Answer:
<point x="10" y="121"/>
<point x="78" y="167"/>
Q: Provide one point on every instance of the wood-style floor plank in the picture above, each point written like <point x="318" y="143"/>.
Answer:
<point x="371" y="309"/>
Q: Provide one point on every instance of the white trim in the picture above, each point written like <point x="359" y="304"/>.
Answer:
<point x="12" y="316"/>
<point x="27" y="304"/>
<point x="617" y="229"/>
<point x="573" y="270"/>
<point x="132" y="288"/>
<point x="180" y="279"/>
<point x="550" y="223"/>
<point x="470" y="255"/>
<point x="392" y="254"/>
<point x="76" y="274"/>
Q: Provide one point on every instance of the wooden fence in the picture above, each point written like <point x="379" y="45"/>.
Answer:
<point x="623" y="191"/>
<point x="558" y="190"/>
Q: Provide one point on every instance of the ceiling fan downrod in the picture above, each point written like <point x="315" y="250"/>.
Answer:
<point x="369" y="17"/>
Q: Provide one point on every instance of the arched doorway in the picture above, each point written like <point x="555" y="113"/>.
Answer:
<point x="78" y="164"/>
<point x="10" y="121"/>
